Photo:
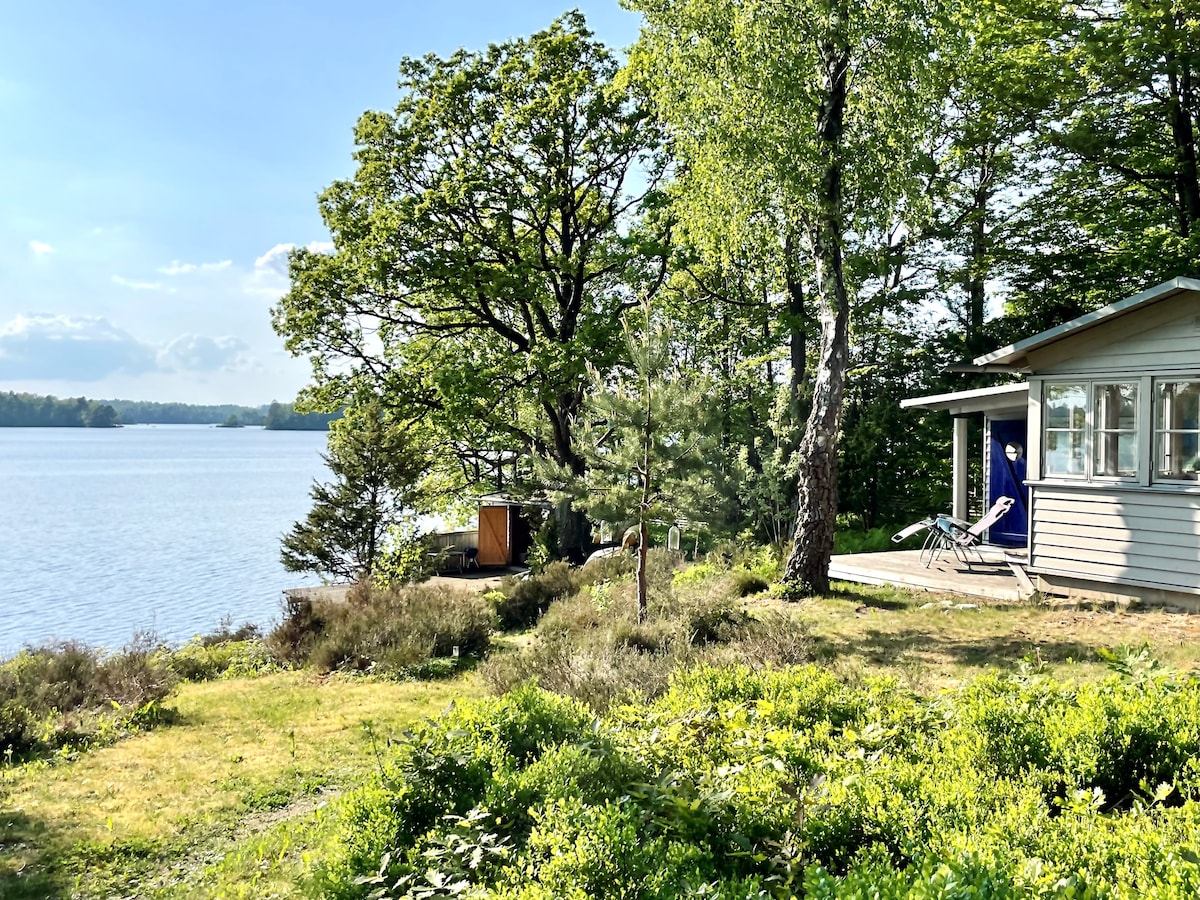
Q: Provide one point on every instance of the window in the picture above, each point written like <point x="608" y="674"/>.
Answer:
<point x="1114" y="429"/>
<point x="1176" y="430"/>
<point x="1066" y="429"/>
<point x="1091" y="430"/>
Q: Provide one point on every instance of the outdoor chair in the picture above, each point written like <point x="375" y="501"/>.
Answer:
<point x="948" y="533"/>
<point x="471" y="557"/>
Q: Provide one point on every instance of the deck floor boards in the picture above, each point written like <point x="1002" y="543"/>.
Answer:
<point x="991" y="579"/>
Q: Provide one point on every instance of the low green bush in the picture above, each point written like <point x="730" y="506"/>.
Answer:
<point x="202" y="660"/>
<point x="523" y="599"/>
<point x="784" y="783"/>
<point x="396" y="632"/>
<point x="69" y="695"/>
<point x="873" y="540"/>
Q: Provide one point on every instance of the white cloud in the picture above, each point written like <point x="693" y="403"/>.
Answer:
<point x="84" y="348"/>
<point x="175" y="267"/>
<point x="141" y="285"/>
<point x="40" y="248"/>
<point x="270" y="275"/>
<point x="197" y="353"/>
<point x="49" y="347"/>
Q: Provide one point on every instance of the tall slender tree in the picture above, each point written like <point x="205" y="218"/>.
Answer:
<point x="816" y="107"/>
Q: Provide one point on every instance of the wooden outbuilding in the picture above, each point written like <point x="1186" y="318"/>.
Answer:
<point x="505" y="532"/>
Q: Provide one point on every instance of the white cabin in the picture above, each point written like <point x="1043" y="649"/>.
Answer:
<point x="1111" y="454"/>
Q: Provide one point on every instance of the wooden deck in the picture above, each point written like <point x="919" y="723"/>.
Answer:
<point x="992" y="579"/>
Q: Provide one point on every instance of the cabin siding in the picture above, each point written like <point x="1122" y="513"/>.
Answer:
<point x="1171" y="341"/>
<point x="1117" y="537"/>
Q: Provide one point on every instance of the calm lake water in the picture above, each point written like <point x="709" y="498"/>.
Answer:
<point x="166" y="527"/>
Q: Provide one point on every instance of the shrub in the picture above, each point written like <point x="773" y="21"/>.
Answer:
<point x="394" y="632"/>
<point x="69" y="695"/>
<point x="200" y="660"/>
<point x="746" y="583"/>
<point x="523" y="600"/>
<point x="736" y="783"/>
<point x="874" y="540"/>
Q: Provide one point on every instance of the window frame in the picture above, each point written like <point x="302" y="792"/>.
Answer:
<point x="1142" y="417"/>
<point x="1182" y="481"/>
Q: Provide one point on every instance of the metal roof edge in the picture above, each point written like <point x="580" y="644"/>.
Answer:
<point x="1151" y="295"/>
<point x="955" y="398"/>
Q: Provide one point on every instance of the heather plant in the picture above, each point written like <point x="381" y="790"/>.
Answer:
<point x="401" y="632"/>
<point x="69" y="695"/>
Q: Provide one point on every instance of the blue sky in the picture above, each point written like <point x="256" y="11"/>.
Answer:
<point x="157" y="160"/>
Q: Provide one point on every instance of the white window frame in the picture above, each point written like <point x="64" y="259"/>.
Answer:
<point x="1089" y="383"/>
<point x="1180" y="481"/>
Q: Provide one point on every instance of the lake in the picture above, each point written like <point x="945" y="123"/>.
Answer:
<point x="166" y="528"/>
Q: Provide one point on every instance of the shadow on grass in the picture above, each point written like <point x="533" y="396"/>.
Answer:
<point x="891" y="647"/>
<point x="25" y="873"/>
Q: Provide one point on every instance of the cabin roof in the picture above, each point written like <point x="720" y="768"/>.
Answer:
<point x="960" y="403"/>
<point x="1014" y="355"/>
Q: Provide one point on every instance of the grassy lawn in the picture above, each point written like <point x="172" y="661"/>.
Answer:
<point x="226" y="801"/>
<point x="222" y="803"/>
<point x="886" y="631"/>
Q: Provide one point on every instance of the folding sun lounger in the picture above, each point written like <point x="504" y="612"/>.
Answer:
<point x="948" y="533"/>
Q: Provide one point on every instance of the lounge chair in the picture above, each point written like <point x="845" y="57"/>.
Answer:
<point x="948" y="533"/>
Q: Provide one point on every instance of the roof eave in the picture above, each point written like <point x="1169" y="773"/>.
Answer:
<point x="1014" y="355"/>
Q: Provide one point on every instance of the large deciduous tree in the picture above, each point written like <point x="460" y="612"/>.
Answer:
<point x="482" y="248"/>
<point x="815" y="108"/>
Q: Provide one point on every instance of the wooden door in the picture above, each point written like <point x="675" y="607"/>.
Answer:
<point x="493" y="536"/>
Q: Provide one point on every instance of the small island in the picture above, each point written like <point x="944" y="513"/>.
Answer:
<point x="232" y="422"/>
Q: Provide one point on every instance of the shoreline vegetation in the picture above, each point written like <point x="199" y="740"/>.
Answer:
<point x="20" y="410"/>
<point x="757" y="747"/>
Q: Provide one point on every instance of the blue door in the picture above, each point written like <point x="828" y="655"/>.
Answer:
<point x="1006" y="456"/>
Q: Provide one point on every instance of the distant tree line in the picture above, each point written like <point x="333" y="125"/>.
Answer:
<point x="19" y="410"/>
<point x="144" y="412"/>
<point x="35" y="411"/>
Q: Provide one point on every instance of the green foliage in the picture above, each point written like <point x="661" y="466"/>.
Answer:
<point x="377" y="465"/>
<point x="489" y="233"/>
<point x="399" y="632"/>
<point x="521" y="600"/>
<point x="873" y="540"/>
<point x="284" y="417"/>
<point x="591" y="646"/>
<point x="69" y="695"/>
<point x="36" y="411"/>
<point x="408" y="558"/>
<point x="203" y="660"/>
<point x="737" y="783"/>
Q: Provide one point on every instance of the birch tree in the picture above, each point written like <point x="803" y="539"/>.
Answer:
<point x="816" y="108"/>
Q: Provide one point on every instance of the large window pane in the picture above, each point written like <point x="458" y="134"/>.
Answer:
<point x="1177" y="430"/>
<point x="1065" y="413"/>
<point x="1114" y="438"/>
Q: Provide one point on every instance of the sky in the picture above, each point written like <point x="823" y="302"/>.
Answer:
<point x="159" y="159"/>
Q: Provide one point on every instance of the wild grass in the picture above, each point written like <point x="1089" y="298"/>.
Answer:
<point x="237" y="782"/>
<point x="401" y="632"/>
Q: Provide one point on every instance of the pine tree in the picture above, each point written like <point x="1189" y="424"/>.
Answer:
<point x="643" y="439"/>
<point x="376" y="467"/>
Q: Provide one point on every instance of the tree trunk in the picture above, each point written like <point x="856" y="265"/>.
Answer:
<point x="643" y="599"/>
<point x="797" y="338"/>
<point x="807" y="570"/>
<point x="1187" y="181"/>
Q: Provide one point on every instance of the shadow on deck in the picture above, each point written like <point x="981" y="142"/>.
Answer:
<point x="993" y="578"/>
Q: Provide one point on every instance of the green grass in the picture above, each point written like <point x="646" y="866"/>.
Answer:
<point x="236" y="797"/>
<point x="224" y="803"/>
